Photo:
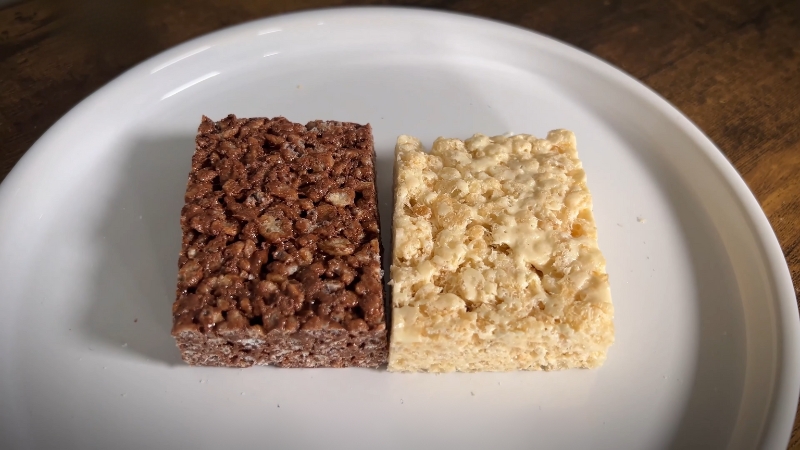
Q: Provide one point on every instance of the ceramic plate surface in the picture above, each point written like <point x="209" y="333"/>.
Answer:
<point x="706" y="352"/>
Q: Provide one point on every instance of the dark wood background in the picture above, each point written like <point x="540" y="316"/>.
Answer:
<point x="732" y="66"/>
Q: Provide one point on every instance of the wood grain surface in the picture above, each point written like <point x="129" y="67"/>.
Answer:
<point x="732" y="66"/>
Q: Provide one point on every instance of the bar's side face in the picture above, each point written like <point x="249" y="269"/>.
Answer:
<point x="496" y="264"/>
<point x="280" y="262"/>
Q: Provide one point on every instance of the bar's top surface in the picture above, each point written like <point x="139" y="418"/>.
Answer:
<point x="280" y="229"/>
<point x="494" y="238"/>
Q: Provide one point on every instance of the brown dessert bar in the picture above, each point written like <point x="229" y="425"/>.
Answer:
<point x="280" y="261"/>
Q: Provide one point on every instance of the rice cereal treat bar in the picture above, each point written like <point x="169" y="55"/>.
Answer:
<point x="496" y="265"/>
<point x="280" y="262"/>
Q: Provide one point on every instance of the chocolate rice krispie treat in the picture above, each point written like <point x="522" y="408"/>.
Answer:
<point x="281" y="255"/>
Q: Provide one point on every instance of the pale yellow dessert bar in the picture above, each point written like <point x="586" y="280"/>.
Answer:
<point x="496" y="265"/>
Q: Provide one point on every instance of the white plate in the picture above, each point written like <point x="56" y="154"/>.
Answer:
<point x="706" y="354"/>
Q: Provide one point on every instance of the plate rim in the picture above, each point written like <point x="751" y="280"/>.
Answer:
<point x="780" y="416"/>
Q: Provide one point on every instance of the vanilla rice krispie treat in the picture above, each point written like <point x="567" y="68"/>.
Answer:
<point x="496" y="264"/>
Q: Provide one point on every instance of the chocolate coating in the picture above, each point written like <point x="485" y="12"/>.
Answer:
<point x="281" y="246"/>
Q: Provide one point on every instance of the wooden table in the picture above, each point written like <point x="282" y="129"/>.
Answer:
<point x="732" y="66"/>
